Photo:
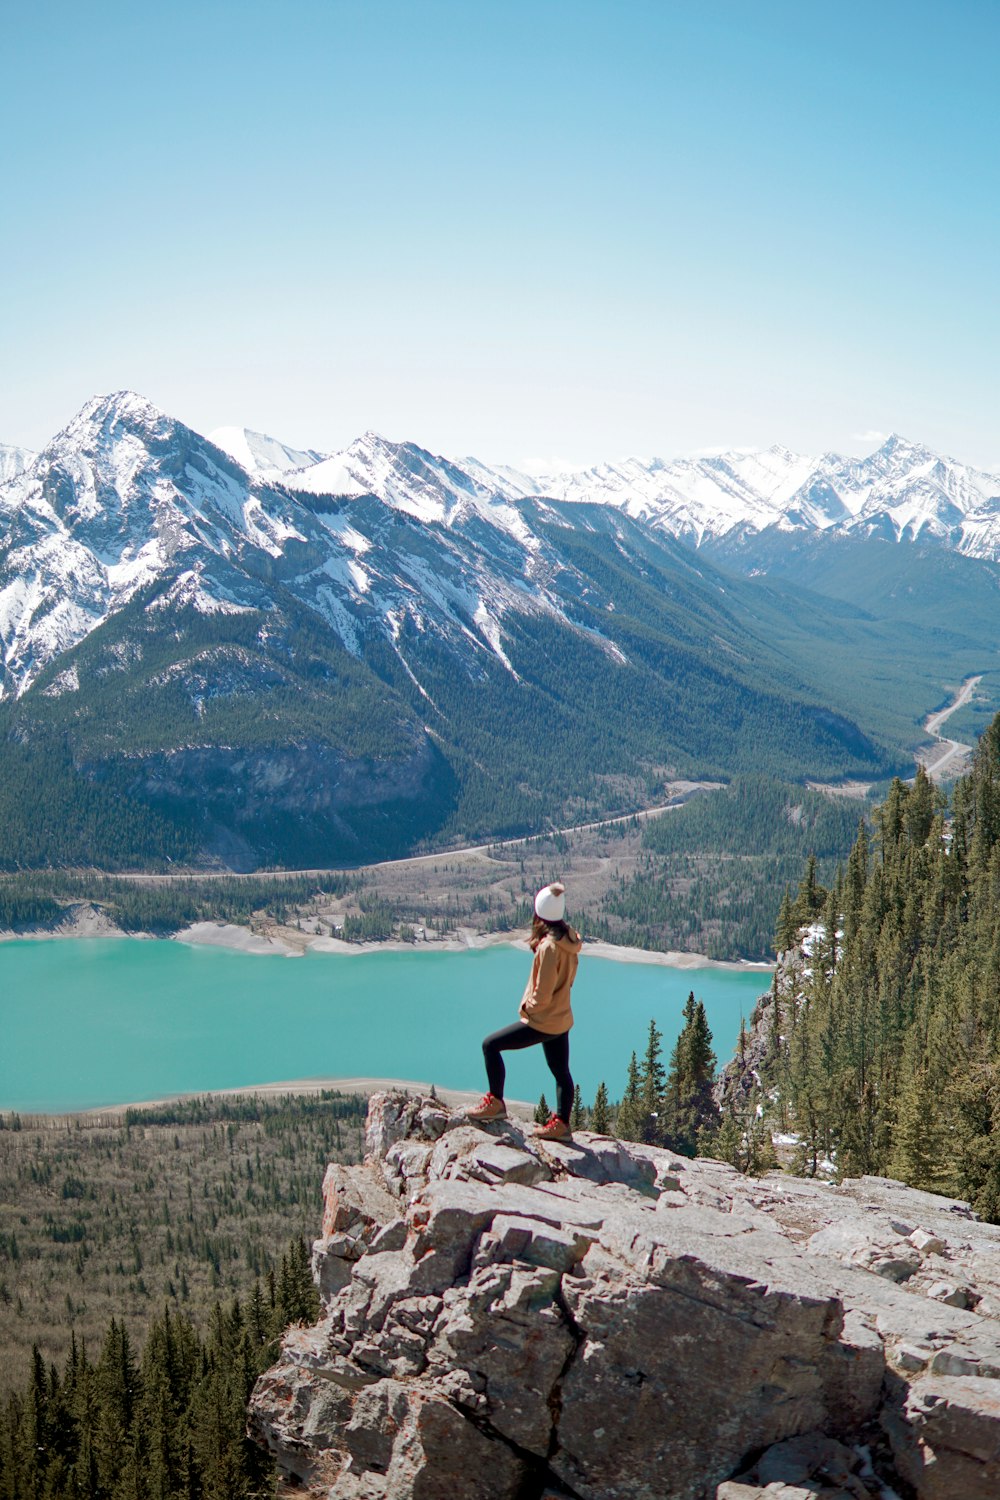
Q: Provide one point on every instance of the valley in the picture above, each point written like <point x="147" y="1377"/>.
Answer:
<point x="85" y="1237"/>
<point x="702" y="878"/>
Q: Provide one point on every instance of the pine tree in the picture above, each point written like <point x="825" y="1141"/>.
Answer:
<point x="298" y="1300"/>
<point x="916" y="1144"/>
<point x="629" y="1124"/>
<point x="576" y="1114"/>
<point x="689" y="1107"/>
<point x="118" y="1387"/>
<point x="725" y="1143"/>
<point x="787" y="931"/>
<point x="600" y="1114"/>
<point x="652" y="1080"/>
<point x="921" y="807"/>
<point x="542" y="1111"/>
<point x="759" y="1146"/>
<point x="809" y="898"/>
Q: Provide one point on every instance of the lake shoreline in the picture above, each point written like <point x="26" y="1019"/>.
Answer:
<point x="91" y="923"/>
<point x="99" y="1115"/>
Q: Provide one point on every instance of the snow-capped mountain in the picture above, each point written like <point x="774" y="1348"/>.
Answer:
<point x="288" y="660"/>
<point x="13" y="461"/>
<point x="125" y="495"/>
<point x="403" y="475"/>
<point x="902" y="491"/>
<point x="690" y="498"/>
<point x="261" y="455"/>
<point x="121" y="495"/>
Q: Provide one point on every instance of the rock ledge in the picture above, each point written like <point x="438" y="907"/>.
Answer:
<point x="505" y="1319"/>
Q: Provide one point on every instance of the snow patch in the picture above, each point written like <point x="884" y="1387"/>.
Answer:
<point x="362" y="581"/>
<point x="67" y="681"/>
<point x="188" y="592"/>
<point x="490" y="629"/>
<point x="261" y="455"/>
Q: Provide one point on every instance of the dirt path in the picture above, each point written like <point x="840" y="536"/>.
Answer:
<point x="947" y="753"/>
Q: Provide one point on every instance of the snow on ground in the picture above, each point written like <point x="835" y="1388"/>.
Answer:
<point x="811" y="935"/>
<point x="67" y="681"/>
<point x="260" y="454"/>
<point x="490" y="628"/>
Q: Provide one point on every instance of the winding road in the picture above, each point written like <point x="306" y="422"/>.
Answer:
<point x="939" y="757"/>
<point x="681" y="792"/>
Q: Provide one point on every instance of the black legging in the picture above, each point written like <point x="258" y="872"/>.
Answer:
<point x="556" y="1048"/>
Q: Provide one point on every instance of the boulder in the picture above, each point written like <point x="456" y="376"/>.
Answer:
<point x="945" y="1433"/>
<point x="356" y="1211"/>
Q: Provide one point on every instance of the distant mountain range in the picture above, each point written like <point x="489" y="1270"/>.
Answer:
<point x="271" y="654"/>
<point x="902" y="491"/>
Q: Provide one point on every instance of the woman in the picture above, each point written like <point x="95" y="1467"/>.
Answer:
<point x="545" y="1015"/>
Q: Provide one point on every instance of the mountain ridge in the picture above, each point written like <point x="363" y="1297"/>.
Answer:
<point x="903" y="489"/>
<point x="171" y="621"/>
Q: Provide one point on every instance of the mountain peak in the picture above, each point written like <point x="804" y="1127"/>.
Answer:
<point x="377" y="442"/>
<point x="117" y="405"/>
<point x="896" y="443"/>
<point x="110" y="413"/>
<point x="14" y="461"/>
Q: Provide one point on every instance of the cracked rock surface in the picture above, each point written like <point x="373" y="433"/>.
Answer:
<point x="506" y="1319"/>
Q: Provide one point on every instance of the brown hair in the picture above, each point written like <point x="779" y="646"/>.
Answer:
<point x="541" y="929"/>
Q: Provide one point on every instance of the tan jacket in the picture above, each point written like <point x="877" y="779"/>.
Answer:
<point x="545" y="1004"/>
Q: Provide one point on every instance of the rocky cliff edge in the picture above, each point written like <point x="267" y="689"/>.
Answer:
<point x="505" y="1319"/>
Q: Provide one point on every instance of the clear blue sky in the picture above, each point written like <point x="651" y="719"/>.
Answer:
<point x="525" y="229"/>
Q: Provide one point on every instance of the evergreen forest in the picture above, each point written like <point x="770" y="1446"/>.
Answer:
<point x="118" y="1214"/>
<point x="709" y="871"/>
<point x="878" y="1048"/>
<point x="149" y="1261"/>
<point x="257" y="738"/>
<point x="170" y="1424"/>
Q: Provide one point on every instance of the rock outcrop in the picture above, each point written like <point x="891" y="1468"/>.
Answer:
<point x="505" y="1319"/>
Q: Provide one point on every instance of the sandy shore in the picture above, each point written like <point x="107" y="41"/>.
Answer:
<point x="230" y="935"/>
<point x="88" y="922"/>
<point x="466" y="939"/>
<point x="673" y="960"/>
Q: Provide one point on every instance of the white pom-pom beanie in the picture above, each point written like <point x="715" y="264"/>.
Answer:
<point x="550" y="903"/>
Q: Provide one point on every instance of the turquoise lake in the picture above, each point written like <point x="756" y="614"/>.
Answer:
<point x="90" y="1022"/>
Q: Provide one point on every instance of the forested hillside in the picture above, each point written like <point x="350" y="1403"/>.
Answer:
<point x="712" y="872"/>
<point x="254" y="738"/>
<point x="702" y="877"/>
<point x="880" y="1042"/>
<point x="313" y="679"/>
<point x="46" y="897"/>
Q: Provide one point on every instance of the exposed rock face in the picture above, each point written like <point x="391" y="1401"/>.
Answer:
<point x="506" y="1320"/>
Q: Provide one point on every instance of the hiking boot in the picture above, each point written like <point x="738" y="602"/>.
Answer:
<point x="554" y="1129"/>
<point x="488" y="1108"/>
